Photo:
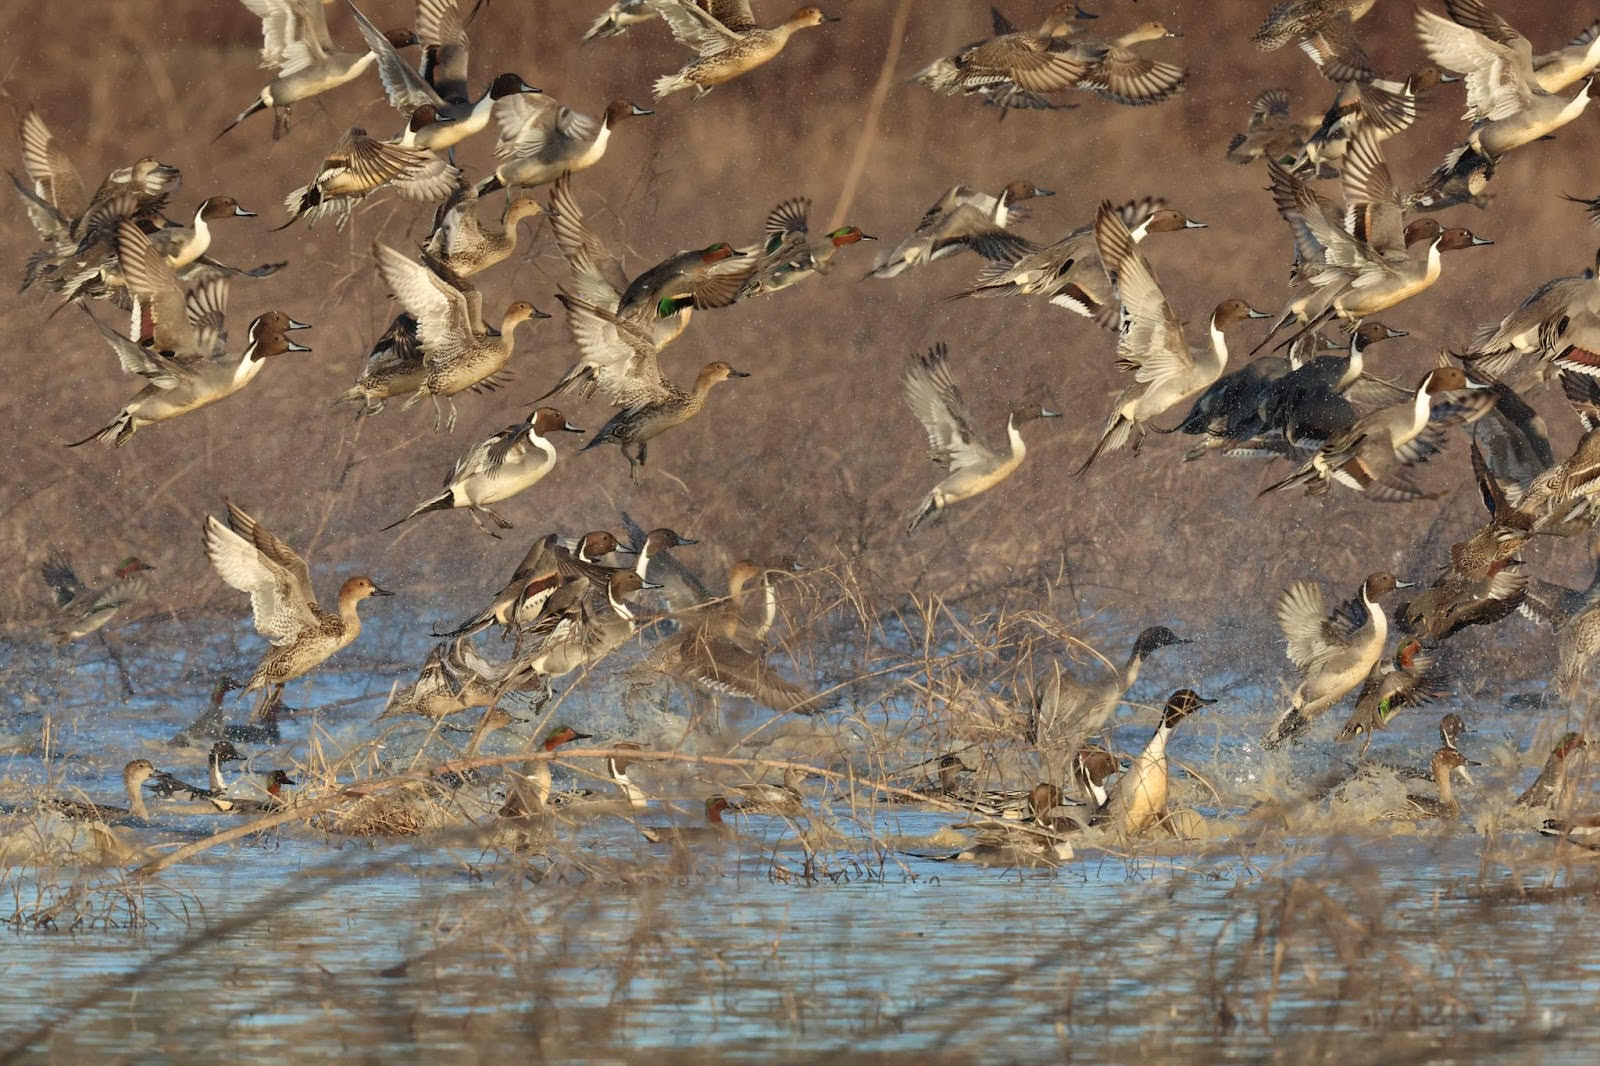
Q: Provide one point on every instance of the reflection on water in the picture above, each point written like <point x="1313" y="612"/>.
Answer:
<point x="593" y="944"/>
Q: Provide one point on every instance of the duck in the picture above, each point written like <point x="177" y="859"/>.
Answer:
<point x="1548" y="786"/>
<point x="931" y="395"/>
<point x="81" y="610"/>
<point x="295" y="42"/>
<point x="94" y="267"/>
<point x="459" y="350"/>
<point x="1381" y="105"/>
<point x="1068" y="273"/>
<point x="134" y="776"/>
<point x="1542" y="325"/>
<point x="1113" y="70"/>
<point x="547" y="567"/>
<point x="712" y="828"/>
<point x="1582" y="829"/>
<point x="184" y="381"/>
<point x="454" y="678"/>
<point x="619" y="18"/>
<point x="1067" y="711"/>
<point x="1151" y="343"/>
<point x="964" y="218"/>
<point x="728" y="41"/>
<point x="1296" y="20"/>
<point x="359" y="166"/>
<point x="1090" y="768"/>
<point x="169" y="787"/>
<point x="1013" y="68"/>
<point x="654" y="543"/>
<point x="275" y="801"/>
<point x="705" y="659"/>
<point x="1372" y="456"/>
<point x="1506" y="103"/>
<point x="1333" y="651"/>
<point x="538" y="149"/>
<point x="1445" y="762"/>
<point x="461" y="244"/>
<point x="1409" y="678"/>
<point x="765" y="798"/>
<point x="559" y="642"/>
<point x="1580" y="640"/>
<point x="250" y="558"/>
<point x="1271" y="132"/>
<point x="1139" y="800"/>
<point x="1037" y="840"/>
<point x="788" y="258"/>
<point x="530" y="786"/>
<point x="394" y="367"/>
<point x="499" y="467"/>
<point x="443" y="36"/>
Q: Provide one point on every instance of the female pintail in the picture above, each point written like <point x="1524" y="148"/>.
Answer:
<point x="359" y="166"/>
<point x="541" y="140"/>
<point x="934" y="400"/>
<point x="1139" y="799"/>
<point x="712" y="662"/>
<point x="251" y="559"/>
<point x="1068" y="273"/>
<point x="1014" y="67"/>
<point x="499" y="467"/>
<point x="1505" y="101"/>
<point x="728" y="41"/>
<point x="1542" y="325"/>
<point x="134" y="775"/>
<point x="767" y="798"/>
<point x="1373" y="455"/>
<point x="1152" y="341"/>
<point x="1333" y="651"/>
<point x="1296" y="20"/>
<point x="963" y="218"/>
<point x="547" y="566"/>
<point x="1409" y="678"/>
<point x="1067" y="711"/>
<point x="295" y="41"/>
<point x="1272" y="131"/>
<point x="1445" y="763"/>
<point x="81" y="610"/>
<point x="1113" y="70"/>
<point x="459" y="240"/>
<point x="443" y="37"/>
<point x="393" y="367"/>
<point x="459" y="350"/>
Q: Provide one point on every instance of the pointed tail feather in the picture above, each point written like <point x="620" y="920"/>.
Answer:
<point x="442" y="502"/>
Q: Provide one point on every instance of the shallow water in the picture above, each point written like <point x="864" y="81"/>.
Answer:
<point x="595" y="945"/>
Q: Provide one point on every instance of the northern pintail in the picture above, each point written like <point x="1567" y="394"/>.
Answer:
<point x="727" y="40"/>
<point x="963" y="218"/>
<point x="443" y="36"/>
<point x="766" y="798"/>
<point x="1380" y="105"/>
<point x="1556" y="70"/>
<point x="1038" y="840"/>
<point x="168" y="786"/>
<point x="541" y="140"/>
<point x="134" y="775"/>
<point x="787" y="257"/>
<point x="1089" y="770"/>
<point x="1151" y="342"/>
<point x="1445" y="763"/>
<point x="1272" y="132"/>
<point x="80" y="610"/>
<point x="359" y="166"/>
<point x="931" y="394"/>
<point x="1460" y="179"/>
<point x="1580" y="641"/>
<point x="1139" y="800"/>
<point x="460" y="242"/>
<point x="1409" y="678"/>
<point x="499" y="467"/>
<point x="274" y="801"/>
<point x="547" y="567"/>
<point x="250" y="558"/>
<point x="394" y="367"/>
<point x="1332" y="651"/>
<point x="559" y="643"/>
<point x="459" y="350"/>
<point x="1504" y="99"/>
<point x="295" y="41"/>
<point x="453" y="678"/>
<point x="1314" y="401"/>
<point x="1067" y="712"/>
<point x="715" y="662"/>
<point x="531" y="784"/>
<point x="1014" y="67"/>
<point x="618" y="18"/>
<point x="657" y="541"/>
<point x="1068" y="273"/>
<point x="1371" y="456"/>
<point x="617" y="770"/>
<point x="621" y="355"/>
<point x="1113" y="70"/>
<point x="1547" y="788"/>
<point x="1296" y="20"/>
<point x="94" y="269"/>
<point x="1543" y="325"/>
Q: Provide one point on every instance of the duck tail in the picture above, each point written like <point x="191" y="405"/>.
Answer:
<point x="257" y="105"/>
<point x="442" y="502"/>
<point x="929" y="507"/>
<point x="115" y="433"/>
<point x="1115" y="436"/>
<point x="671" y="83"/>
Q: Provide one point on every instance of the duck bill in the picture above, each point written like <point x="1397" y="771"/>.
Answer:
<point x="376" y="591"/>
<point x="293" y="324"/>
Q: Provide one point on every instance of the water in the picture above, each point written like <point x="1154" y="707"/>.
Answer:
<point x="1441" y="945"/>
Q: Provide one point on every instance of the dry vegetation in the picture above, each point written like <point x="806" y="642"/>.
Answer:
<point x="924" y="640"/>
